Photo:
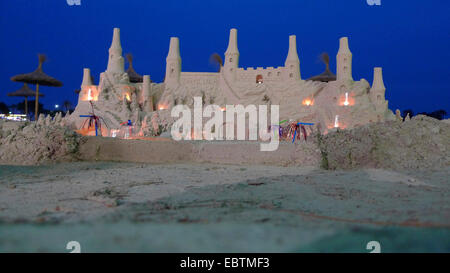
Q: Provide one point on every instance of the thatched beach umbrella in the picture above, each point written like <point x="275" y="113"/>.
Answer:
<point x="216" y="60"/>
<point x="134" y="77"/>
<point x="26" y="92"/>
<point x="327" y="75"/>
<point x="38" y="77"/>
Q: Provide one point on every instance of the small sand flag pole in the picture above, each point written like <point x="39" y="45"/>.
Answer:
<point x="293" y="130"/>
<point x="301" y="125"/>
<point x="130" y="126"/>
<point x="92" y="120"/>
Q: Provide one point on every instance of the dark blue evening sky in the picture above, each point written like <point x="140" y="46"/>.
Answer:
<point x="410" y="39"/>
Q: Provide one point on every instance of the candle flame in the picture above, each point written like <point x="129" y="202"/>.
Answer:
<point x="346" y="99"/>
<point x="346" y="103"/>
<point x="307" y="102"/>
<point x="90" y="98"/>
<point x="336" y="121"/>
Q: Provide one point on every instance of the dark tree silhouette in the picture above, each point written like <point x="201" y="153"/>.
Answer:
<point x="438" y="114"/>
<point x="67" y="105"/>
<point x="21" y="107"/>
<point x="4" y="109"/>
<point x="408" y="111"/>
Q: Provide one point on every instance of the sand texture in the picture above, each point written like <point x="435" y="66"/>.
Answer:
<point x="125" y="207"/>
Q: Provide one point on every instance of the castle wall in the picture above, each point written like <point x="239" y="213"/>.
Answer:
<point x="269" y="74"/>
<point x="199" y="78"/>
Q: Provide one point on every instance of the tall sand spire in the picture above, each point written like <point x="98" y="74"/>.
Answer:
<point x="344" y="61"/>
<point x="116" y="62"/>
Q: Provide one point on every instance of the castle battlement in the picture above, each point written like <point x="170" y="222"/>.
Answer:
<point x="261" y="74"/>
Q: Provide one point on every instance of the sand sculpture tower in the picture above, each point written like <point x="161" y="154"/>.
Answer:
<point x="231" y="57"/>
<point x="344" y="61"/>
<point x="87" y="80"/>
<point x="116" y="64"/>
<point x="147" y="100"/>
<point x="378" y="90"/>
<point x="292" y="62"/>
<point x="173" y="63"/>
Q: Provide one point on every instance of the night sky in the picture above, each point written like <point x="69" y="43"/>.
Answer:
<point x="410" y="39"/>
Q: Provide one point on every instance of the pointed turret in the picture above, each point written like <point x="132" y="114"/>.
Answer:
<point x="292" y="62"/>
<point x="115" y="61"/>
<point x="378" y="90"/>
<point x="378" y="83"/>
<point x="173" y="62"/>
<point x="232" y="49"/>
<point x="344" y="61"/>
<point x="231" y="56"/>
<point x="87" y="79"/>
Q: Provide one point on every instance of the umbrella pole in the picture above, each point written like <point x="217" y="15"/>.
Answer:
<point x="26" y="106"/>
<point x="36" y="106"/>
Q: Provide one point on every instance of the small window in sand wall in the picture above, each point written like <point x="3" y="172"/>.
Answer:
<point x="259" y="79"/>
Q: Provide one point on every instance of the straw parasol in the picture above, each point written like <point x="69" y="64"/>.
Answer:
<point x="26" y="92"/>
<point x="134" y="77"/>
<point x="215" y="59"/>
<point x="327" y="75"/>
<point x="37" y="77"/>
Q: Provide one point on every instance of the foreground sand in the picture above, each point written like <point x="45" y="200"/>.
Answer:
<point x="204" y="207"/>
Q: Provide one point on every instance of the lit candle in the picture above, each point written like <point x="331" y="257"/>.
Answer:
<point x="336" y="122"/>
<point x="346" y="99"/>
<point x="89" y="95"/>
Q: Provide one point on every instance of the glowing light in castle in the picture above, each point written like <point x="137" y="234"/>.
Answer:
<point x="259" y="79"/>
<point x="114" y="132"/>
<point x="307" y="102"/>
<point x="222" y="109"/>
<point x="336" y="121"/>
<point x="346" y="99"/>
<point x="90" y="94"/>
<point x="127" y="96"/>
<point x="89" y="98"/>
<point x="346" y="103"/>
<point x="162" y="107"/>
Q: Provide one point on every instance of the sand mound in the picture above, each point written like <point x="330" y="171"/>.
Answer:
<point x="31" y="143"/>
<point x="419" y="143"/>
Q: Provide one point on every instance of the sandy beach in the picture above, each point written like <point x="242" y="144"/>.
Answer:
<point x="129" y="207"/>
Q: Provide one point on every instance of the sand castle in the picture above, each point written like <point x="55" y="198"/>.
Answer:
<point x="344" y="103"/>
